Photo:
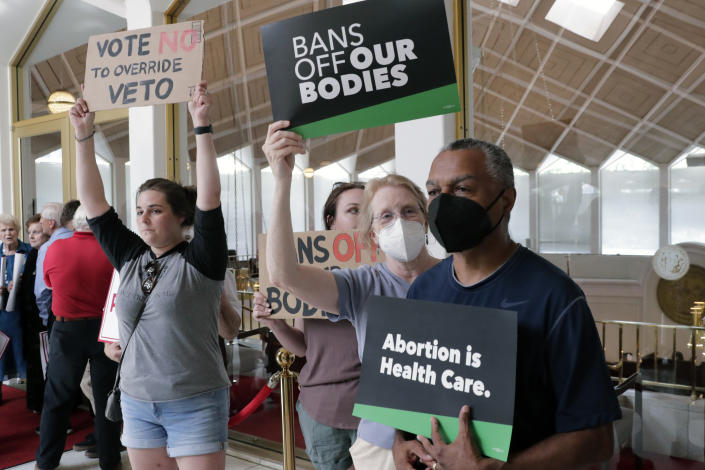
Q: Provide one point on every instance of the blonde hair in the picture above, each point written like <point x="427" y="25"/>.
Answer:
<point x="364" y="224"/>
<point x="7" y="219"/>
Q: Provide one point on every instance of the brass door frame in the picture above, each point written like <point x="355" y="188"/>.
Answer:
<point x="44" y="125"/>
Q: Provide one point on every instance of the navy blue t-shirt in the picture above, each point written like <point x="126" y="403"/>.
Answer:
<point x="562" y="381"/>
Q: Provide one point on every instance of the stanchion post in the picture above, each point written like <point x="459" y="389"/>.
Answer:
<point x="285" y="359"/>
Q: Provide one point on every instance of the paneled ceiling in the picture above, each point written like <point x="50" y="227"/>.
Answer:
<point x="538" y="89"/>
<point x="541" y="89"/>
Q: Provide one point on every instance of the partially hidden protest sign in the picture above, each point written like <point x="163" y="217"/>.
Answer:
<point x="327" y="249"/>
<point x="354" y="66"/>
<point x="109" y="332"/>
<point x="144" y="67"/>
<point x="424" y="359"/>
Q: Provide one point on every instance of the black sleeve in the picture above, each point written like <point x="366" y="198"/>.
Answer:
<point x="119" y="243"/>
<point x="208" y="251"/>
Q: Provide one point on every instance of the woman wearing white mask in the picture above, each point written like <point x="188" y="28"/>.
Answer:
<point x="394" y="216"/>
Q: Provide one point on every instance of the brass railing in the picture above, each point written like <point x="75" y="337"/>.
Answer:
<point x="696" y="346"/>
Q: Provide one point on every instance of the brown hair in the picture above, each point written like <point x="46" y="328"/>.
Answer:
<point x="32" y="220"/>
<point x="182" y="200"/>
<point x="68" y="211"/>
<point x="331" y="204"/>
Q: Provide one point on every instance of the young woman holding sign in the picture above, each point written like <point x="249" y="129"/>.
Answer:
<point x="329" y="379"/>
<point x="174" y="387"/>
<point x="394" y="216"/>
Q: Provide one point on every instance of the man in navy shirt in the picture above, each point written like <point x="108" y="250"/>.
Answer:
<point x="565" y="403"/>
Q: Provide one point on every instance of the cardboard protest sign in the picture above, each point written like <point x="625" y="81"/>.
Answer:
<point x="109" y="332"/>
<point x="144" y="67"/>
<point x="424" y="359"/>
<point x="327" y="249"/>
<point x="353" y="67"/>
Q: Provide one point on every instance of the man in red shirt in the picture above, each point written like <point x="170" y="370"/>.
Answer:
<point x="79" y="273"/>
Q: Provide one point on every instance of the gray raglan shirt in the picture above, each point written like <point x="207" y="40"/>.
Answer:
<point x="174" y="352"/>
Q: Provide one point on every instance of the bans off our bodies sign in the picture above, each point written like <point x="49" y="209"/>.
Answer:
<point x="324" y="249"/>
<point x="354" y="66"/>
<point x="424" y="359"/>
<point x="144" y="67"/>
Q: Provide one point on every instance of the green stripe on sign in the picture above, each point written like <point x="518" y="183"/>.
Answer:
<point x="440" y="100"/>
<point x="492" y="438"/>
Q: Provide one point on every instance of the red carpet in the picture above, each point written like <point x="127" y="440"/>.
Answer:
<point x="18" y="440"/>
<point x="265" y="422"/>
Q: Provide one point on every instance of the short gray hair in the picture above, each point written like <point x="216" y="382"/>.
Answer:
<point x="499" y="166"/>
<point x="7" y="219"/>
<point x="80" y="220"/>
<point x="52" y="211"/>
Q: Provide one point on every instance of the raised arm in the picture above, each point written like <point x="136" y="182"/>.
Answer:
<point x="312" y="285"/>
<point x="88" y="182"/>
<point x="207" y="176"/>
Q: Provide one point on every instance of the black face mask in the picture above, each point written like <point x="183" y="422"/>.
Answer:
<point x="459" y="223"/>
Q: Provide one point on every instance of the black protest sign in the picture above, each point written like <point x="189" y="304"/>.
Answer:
<point x="354" y="66"/>
<point x="424" y="359"/>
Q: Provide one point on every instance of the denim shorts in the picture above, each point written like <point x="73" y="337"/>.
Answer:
<point x="191" y="426"/>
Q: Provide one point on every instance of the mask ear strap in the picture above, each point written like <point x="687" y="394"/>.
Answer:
<point x="495" y="199"/>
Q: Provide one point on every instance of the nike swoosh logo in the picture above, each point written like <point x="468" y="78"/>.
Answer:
<point x="505" y="303"/>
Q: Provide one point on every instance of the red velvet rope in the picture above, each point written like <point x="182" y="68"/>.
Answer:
<point x="244" y="413"/>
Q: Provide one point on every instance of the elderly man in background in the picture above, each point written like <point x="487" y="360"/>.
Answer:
<point x="79" y="273"/>
<point x="54" y="218"/>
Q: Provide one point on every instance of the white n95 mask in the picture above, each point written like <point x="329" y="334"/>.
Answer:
<point x="402" y="240"/>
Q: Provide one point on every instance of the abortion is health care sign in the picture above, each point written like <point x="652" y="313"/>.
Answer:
<point x="360" y="65"/>
<point x="424" y="359"/>
<point x="144" y="67"/>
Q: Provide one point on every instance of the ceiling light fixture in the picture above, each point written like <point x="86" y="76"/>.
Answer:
<point x="308" y="172"/>
<point x="510" y="2"/>
<point x="60" y="101"/>
<point x="587" y="18"/>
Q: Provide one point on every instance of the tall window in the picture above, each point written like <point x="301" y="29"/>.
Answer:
<point x="379" y="171"/>
<point x="48" y="172"/>
<point x="236" y="199"/>
<point x="687" y="196"/>
<point x="105" y="169"/>
<point x="565" y="196"/>
<point x="628" y="181"/>
<point x="323" y="180"/>
<point x="130" y="210"/>
<point x="298" y="197"/>
<point x="519" y="221"/>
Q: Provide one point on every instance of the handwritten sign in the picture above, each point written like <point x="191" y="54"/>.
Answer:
<point x="324" y="249"/>
<point x="109" y="332"/>
<point x="351" y="67"/>
<point x="144" y="67"/>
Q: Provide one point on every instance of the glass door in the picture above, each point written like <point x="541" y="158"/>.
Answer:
<point x="42" y="168"/>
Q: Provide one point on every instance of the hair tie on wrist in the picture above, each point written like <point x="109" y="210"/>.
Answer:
<point x="203" y="129"/>
<point x="83" y="139"/>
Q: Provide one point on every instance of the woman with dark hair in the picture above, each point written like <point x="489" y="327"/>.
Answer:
<point x="174" y="387"/>
<point x="31" y="322"/>
<point x="329" y="379"/>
